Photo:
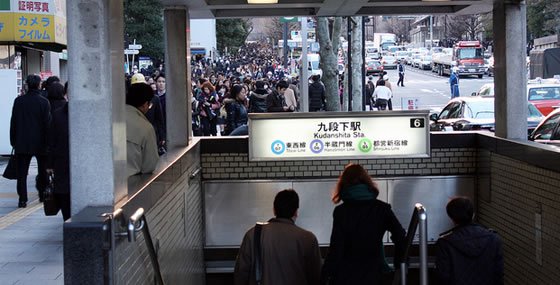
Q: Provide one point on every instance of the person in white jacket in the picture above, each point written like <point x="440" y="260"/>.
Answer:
<point x="381" y="95"/>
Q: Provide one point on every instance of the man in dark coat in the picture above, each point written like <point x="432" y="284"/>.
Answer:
<point x="469" y="253"/>
<point x="257" y="98"/>
<point x="316" y="94"/>
<point x="276" y="102"/>
<point x="290" y="254"/>
<point x="29" y="125"/>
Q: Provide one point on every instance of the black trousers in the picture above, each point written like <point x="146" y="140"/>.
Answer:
<point x="23" y="161"/>
<point x="63" y="203"/>
<point x="401" y="79"/>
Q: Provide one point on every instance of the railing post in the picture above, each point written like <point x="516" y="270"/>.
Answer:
<point x="423" y="229"/>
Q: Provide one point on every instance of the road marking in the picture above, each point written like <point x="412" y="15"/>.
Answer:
<point x="17" y="215"/>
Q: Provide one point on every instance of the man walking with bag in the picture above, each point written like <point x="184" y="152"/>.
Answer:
<point x="31" y="117"/>
<point x="288" y="253"/>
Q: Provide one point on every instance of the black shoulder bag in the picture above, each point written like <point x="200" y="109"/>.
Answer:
<point x="257" y="252"/>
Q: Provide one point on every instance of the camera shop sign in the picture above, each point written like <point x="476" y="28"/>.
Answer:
<point x="328" y="135"/>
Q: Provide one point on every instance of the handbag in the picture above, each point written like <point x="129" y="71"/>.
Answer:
<point x="11" y="168"/>
<point x="49" y="202"/>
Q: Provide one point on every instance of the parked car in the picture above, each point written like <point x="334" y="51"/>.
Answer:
<point x="543" y="93"/>
<point x="548" y="131"/>
<point x="389" y="62"/>
<point x="475" y="113"/>
<point x="416" y="59"/>
<point x="425" y="62"/>
<point x="374" y="67"/>
<point x="487" y="90"/>
<point x="546" y="97"/>
<point x="402" y="56"/>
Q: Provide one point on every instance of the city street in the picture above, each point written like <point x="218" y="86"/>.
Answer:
<point x="431" y="90"/>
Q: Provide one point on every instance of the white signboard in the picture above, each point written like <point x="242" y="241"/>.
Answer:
<point x="353" y="135"/>
<point x="9" y="83"/>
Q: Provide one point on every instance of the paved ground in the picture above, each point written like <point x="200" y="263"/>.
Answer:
<point x="30" y="242"/>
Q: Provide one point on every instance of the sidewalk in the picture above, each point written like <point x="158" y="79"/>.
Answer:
<point x="30" y="242"/>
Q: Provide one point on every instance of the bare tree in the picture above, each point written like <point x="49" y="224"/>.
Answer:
<point x="399" y="27"/>
<point x="329" y="54"/>
<point x="357" y="62"/>
<point x="275" y="29"/>
<point x="465" y="27"/>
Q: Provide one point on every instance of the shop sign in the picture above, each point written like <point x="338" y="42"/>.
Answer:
<point x="351" y="135"/>
<point x="33" y="21"/>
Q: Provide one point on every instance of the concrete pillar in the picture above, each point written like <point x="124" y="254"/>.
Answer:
<point x="510" y="81"/>
<point x="178" y="75"/>
<point x="97" y="103"/>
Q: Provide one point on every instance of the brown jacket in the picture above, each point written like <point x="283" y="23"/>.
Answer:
<point x="290" y="256"/>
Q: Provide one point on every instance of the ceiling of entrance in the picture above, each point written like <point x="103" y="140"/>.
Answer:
<point x="201" y="9"/>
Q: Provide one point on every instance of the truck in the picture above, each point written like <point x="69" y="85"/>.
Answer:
<point x="382" y="41"/>
<point x="466" y="56"/>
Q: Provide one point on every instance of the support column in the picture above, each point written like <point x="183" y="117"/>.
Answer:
<point x="178" y="75"/>
<point x="97" y="103"/>
<point x="510" y="81"/>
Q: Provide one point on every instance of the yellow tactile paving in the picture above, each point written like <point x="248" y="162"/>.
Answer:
<point x="17" y="215"/>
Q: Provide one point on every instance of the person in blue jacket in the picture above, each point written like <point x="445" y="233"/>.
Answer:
<point x="454" y="83"/>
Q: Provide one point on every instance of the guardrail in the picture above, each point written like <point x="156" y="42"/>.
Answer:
<point x="419" y="220"/>
<point x="120" y="228"/>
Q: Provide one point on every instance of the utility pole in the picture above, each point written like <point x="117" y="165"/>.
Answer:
<point x="349" y="59"/>
<point x="363" y="63"/>
<point x="285" y="45"/>
<point x="431" y="31"/>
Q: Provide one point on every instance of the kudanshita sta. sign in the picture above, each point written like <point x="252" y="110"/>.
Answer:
<point x="302" y="136"/>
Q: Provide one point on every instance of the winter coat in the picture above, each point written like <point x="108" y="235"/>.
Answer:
<point x="257" y="101"/>
<point x="236" y="115"/>
<point x="290" y="256"/>
<point x="470" y="255"/>
<point x="58" y="157"/>
<point x="355" y="255"/>
<point x="155" y="116"/>
<point x="31" y="118"/>
<point x="316" y="96"/>
<point x="275" y="102"/>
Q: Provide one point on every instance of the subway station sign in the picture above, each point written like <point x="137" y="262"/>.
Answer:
<point x="41" y="21"/>
<point x="328" y="135"/>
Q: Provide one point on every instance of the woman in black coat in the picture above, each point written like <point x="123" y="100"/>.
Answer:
<point x="58" y="161"/>
<point x="236" y="119"/>
<point x="55" y="94"/>
<point x="356" y="250"/>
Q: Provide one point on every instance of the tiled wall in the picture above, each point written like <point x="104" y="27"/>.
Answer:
<point x="176" y="227"/>
<point x="523" y="205"/>
<point x="444" y="161"/>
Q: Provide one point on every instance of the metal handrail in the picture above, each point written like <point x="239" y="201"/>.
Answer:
<point x="136" y="223"/>
<point x="419" y="220"/>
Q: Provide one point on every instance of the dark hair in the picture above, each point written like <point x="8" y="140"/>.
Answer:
<point x="282" y="84"/>
<point x="316" y="77"/>
<point x="51" y="80"/>
<point x="160" y="75"/>
<point x="55" y="91"/>
<point x="259" y="84"/>
<point x="138" y="94"/>
<point x="33" y="81"/>
<point x="353" y="174"/>
<point x="286" y="203"/>
<point x="460" y="210"/>
<point x="66" y="87"/>
<point x="201" y="80"/>
<point x="381" y="83"/>
<point x="236" y="89"/>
